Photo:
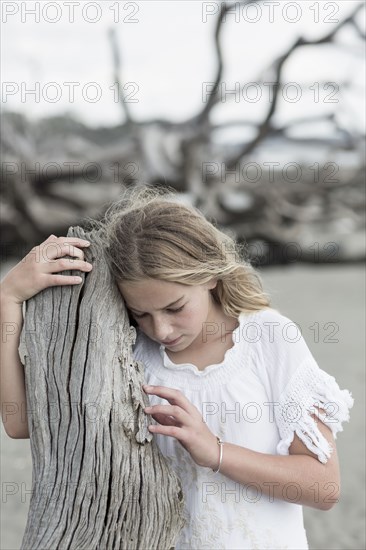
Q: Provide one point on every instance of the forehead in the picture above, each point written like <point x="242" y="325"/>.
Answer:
<point x="152" y="294"/>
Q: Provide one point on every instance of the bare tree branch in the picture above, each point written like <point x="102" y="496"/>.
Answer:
<point x="116" y="72"/>
<point x="175" y="154"/>
<point x="266" y="127"/>
<point x="214" y="94"/>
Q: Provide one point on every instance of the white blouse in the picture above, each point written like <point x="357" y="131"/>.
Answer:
<point x="261" y="393"/>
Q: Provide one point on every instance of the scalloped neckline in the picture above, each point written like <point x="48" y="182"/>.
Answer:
<point x="168" y="363"/>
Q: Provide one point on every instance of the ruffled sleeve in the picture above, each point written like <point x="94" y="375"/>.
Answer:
<point x="299" y="388"/>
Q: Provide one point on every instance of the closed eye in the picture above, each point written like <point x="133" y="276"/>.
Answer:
<point x="169" y="310"/>
<point x="175" y="310"/>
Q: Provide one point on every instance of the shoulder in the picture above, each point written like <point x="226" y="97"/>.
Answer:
<point x="278" y="348"/>
<point x="295" y="383"/>
<point x="272" y="330"/>
<point x="268" y="317"/>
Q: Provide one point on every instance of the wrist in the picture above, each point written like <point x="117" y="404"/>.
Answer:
<point x="214" y="454"/>
<point x="220" y="445"/>
<point x="7" y="298"/>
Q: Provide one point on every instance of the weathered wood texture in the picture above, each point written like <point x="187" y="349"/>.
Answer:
<point x="99" y="479"/>
<point x="57" y="170"/>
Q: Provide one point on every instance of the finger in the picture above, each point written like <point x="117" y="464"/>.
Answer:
<point x="170" y="410"/>
<point x="53" y="251"/>
<point x="171" y="431"/>
<point x="77" y="241"/>
<point x="165" y="420"/>
<point x="65" y="264"/>
<point x="62" y="280"/>
<point x="74" y="251"/>
<point x="73" y="241"/>
<point x="70" y="250"/>
<point x="56" y="248"/>
<point x="175" y="397"/>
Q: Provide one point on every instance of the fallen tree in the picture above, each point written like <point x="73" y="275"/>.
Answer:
<point x="99" y="479"/>
<point x="57" y="171"/>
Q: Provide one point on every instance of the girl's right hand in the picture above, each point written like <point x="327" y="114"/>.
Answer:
<point x="41" y="266"/>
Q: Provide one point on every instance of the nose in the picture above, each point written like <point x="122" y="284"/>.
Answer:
<point x="162" y="330"/>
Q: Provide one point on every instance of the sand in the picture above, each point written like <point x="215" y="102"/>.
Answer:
<point x="308" y="295"/>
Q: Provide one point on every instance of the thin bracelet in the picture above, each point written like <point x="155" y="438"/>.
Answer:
<point x="221" y="445"/>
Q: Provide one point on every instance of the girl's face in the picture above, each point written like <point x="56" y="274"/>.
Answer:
<point x="167" y="311"/>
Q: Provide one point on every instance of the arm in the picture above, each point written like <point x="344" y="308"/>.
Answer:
<point x="299" y="477"/>
<point x="38" y="270"/>
<point x="12" y="393"/>
<point x="313" y="483"/>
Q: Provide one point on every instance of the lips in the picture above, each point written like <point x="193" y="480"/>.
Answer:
<point x="171" y="342"/>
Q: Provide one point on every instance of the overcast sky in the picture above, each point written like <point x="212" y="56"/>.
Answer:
<point x="168" y="61"/>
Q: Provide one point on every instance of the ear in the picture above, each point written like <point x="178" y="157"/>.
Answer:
<point x="211" y="284"/>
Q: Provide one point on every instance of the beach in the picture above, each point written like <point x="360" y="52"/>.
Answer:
<point x="327" y="303"/>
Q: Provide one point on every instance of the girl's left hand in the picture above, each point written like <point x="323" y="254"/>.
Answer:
<point x="182" y="420"/>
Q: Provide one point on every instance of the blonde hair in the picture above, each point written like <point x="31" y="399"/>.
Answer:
<point x="151" y="234"/>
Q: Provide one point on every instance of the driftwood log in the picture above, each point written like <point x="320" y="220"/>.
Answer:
<point x="99" y="479"/>
<point x="57" y="171"/>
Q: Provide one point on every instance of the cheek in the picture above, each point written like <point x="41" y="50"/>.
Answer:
<point x="142" y="323"/>
<point x="194" y="315"/>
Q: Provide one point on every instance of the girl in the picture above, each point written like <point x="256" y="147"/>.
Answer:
<point x="240" y="408"/>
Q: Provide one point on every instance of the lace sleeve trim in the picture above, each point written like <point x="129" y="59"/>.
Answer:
<point x="311" y="388"/>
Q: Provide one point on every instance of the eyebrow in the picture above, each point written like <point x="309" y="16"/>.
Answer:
<point x="161" y="309"/>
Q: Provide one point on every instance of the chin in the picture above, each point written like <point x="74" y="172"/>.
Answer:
<point x="181" y="346"/>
